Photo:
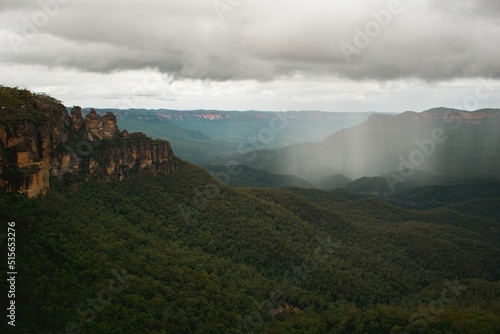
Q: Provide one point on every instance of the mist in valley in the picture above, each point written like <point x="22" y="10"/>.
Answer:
<point x="439" y="142"/>
<point x="230" y="166"/>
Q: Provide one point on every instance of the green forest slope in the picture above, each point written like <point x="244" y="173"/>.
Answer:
<point x="185" y="254"/>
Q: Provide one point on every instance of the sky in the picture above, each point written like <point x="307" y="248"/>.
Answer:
<point x="330" y="55"/>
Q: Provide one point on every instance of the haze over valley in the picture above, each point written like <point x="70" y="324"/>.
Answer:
<point x="232" y="167"/>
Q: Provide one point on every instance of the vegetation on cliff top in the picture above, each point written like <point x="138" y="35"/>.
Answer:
<point x="40" y="128"/>
<point x="17" y="104"/>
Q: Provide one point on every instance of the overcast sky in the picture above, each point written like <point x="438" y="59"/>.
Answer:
<point x="331" y="55"/>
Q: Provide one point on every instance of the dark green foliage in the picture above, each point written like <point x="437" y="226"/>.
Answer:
<point x="23" y="105"/>
<point x="480" y="198"/>
<point x="270" y="261"/>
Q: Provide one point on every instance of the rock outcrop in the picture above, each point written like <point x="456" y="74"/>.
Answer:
<point x="39" y="139"/>
<point x="97" y="127"/>
<point x="77" y="121"/>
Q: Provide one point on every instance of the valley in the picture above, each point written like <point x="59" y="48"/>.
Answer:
<point x="130" y="238"/>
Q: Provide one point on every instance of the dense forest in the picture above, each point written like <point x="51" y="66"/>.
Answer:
<point x="184" y="253"/>
<point x="250" y="167"/>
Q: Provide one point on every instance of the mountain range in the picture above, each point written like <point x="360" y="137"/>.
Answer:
<point x="329" y="150"/>
<point x="201" y="135"/>
<point x="441" y="143"/>
<point x="116" y="234"/>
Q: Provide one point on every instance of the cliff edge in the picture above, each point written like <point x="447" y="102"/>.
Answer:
<point x="39" y="139"/>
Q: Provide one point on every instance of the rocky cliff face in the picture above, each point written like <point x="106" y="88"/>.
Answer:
<point x="39" y="139"/>
<point x="97" y="127"/>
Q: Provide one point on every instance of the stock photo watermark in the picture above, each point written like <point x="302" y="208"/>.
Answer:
<point x="419" y="320"/>
<point x="150" y="82"/>
<point x="222" y="7"/>
<point x="427" y="147"/>
<point x="88" y="309"/>
<point x="11" y="273"/>
<point x="31" y="25"/>
<point x="276" y="305"/>
<point x="263" y="311"/>
<point x="324" y="246"/>
<point x="202" y="197"/>
<point x="363" y="36"/>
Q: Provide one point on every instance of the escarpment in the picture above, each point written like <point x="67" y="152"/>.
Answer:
<point x="39" y="139"/>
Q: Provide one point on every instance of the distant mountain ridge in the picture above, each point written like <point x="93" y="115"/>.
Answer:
<point x="216" y="115"/>
<point x="39" y="139"/>
<point x="205" y="136"/>
<point x="491" y="116"/>
<point x="438" y="141"/>
<point x="380" y="145"/>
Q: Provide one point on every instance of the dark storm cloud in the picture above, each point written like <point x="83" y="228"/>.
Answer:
<point x="262" y="40"/>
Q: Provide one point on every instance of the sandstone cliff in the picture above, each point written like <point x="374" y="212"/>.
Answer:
<point x="39" y="139"/>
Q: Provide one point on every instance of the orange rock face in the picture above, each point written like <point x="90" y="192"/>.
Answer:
<point x="47" y="141"/>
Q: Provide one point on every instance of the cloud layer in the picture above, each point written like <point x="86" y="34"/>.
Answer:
<point x="224" y="40"/>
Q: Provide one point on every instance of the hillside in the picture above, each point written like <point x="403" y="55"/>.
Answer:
<point x="259" y="260"/>
<point x="479" y="198"/>
<point x="124" y="242"/>
<point x="443" y="142"/>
